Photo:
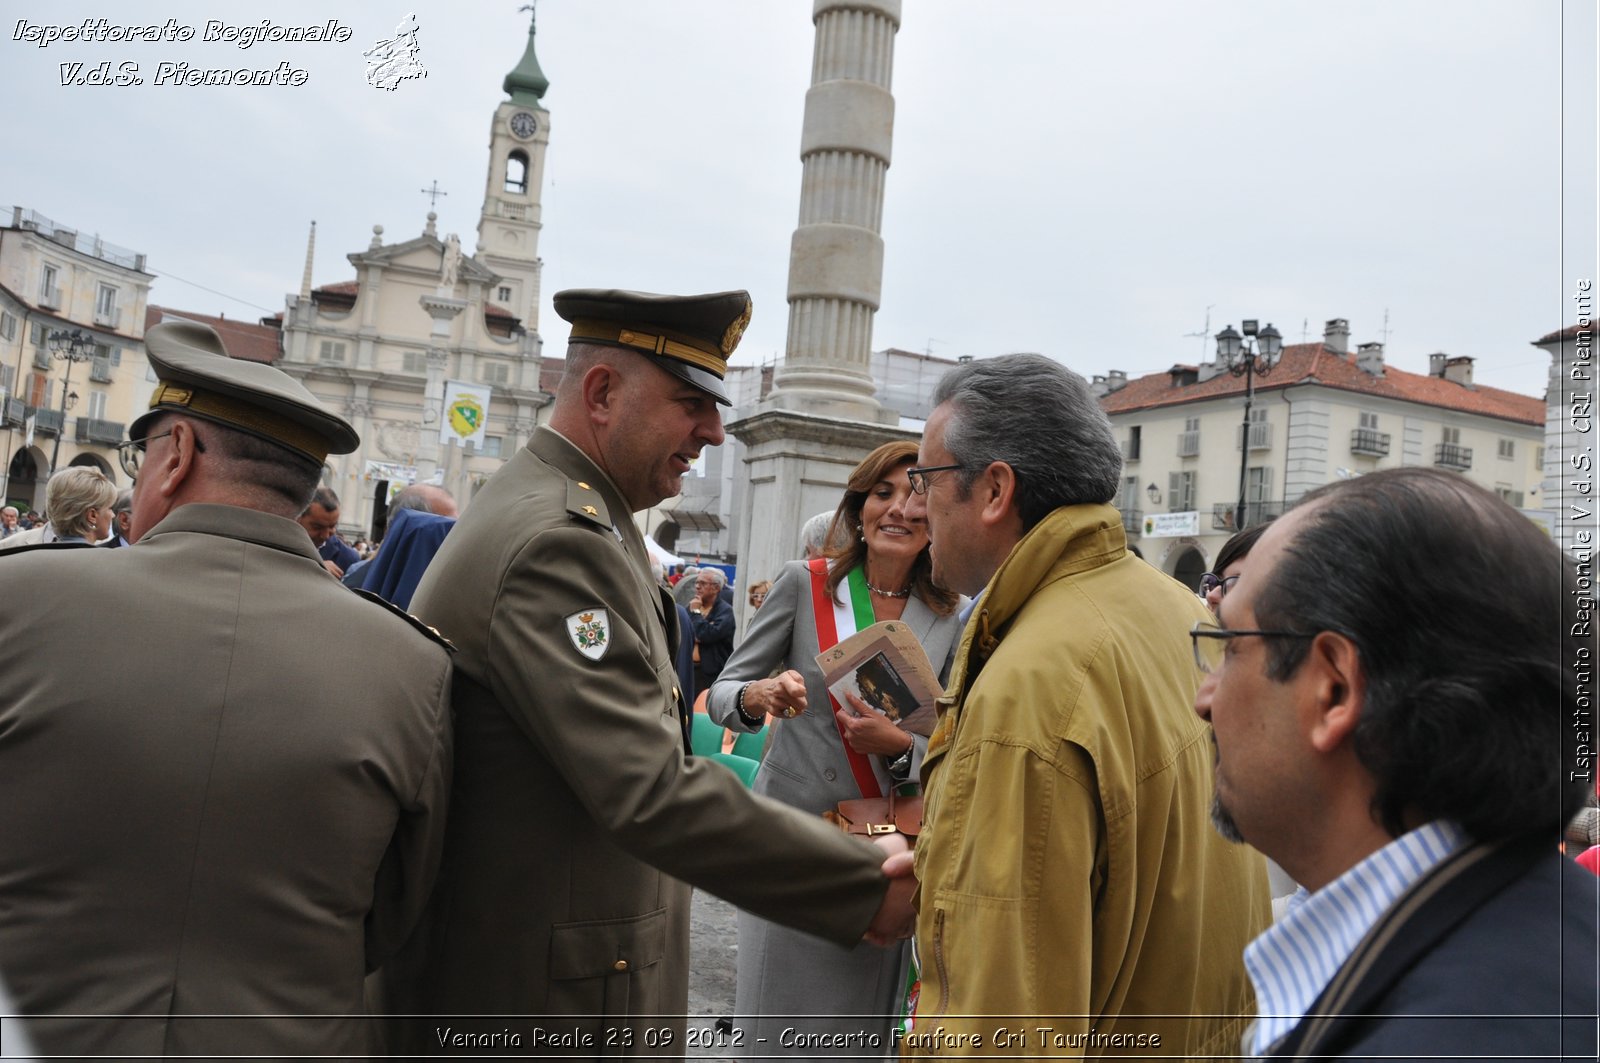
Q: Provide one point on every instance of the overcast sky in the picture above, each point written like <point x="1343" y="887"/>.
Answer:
<point x="1087" y="180"/>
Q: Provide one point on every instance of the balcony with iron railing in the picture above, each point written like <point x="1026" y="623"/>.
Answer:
<point x="48" y="421"/>
<point x="16" y="413"/>
<point x="1260" y="436"/>
<point x="108" y="317"/>
<point x="1224" y="513"/>
<point x="100" y="371"/>
<point x="1188" y="444"/>
<point x="91" y="430"/>
<point x="1453" y="456"/>
<point x="1369" y="442"/>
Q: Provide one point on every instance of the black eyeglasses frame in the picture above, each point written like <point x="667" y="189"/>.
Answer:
<point x="918" y="476"/>
<point x="1205" y="629"/>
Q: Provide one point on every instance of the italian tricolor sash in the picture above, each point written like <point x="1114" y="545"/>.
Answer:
<point x="839" y="619"/>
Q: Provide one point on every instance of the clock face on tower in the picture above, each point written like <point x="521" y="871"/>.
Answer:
<point x="524" y="125"/>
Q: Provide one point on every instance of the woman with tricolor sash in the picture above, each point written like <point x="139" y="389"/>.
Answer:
<point x="797" y="993"/>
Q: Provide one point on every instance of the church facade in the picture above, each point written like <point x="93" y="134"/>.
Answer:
<point x="379" y="348"/>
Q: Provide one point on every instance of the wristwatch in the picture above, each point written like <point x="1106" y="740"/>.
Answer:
<point x="900" y="766"/>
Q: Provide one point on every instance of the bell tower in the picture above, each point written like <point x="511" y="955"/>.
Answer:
<point x="508" y="227"/>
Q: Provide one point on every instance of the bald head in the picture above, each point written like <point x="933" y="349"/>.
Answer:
<point x="426" y="498"/>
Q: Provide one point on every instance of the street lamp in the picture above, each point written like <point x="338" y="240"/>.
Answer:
<point x="1248" y="356"/>
<point x="70" y="347"/>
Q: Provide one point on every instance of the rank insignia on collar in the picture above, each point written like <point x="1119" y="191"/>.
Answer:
<point x="590" y="632"/>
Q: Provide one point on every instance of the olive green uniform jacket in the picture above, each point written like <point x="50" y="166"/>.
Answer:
<point x="223" y="778"/>
<point x="1070" y="876"/>
<point x="577" y="820"/>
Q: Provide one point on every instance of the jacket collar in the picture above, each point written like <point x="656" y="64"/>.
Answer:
<point x="1406" y="931"/>
<point x="555" y="449"/>
<point x="1069" y="540"/>
<point x="236" y="522"/>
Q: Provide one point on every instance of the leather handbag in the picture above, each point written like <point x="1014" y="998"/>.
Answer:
<point x="872" y="816"/>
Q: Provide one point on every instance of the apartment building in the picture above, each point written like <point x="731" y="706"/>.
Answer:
<point x="1324" y="412"/>
<point x="72" y="365"/>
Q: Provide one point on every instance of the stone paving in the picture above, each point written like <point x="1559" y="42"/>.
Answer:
<point x="713" y="950"/>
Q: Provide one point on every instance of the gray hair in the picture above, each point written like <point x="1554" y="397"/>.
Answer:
<point x="716" y="575"/>
<point x="1040" y="418"/>
<point x="814" y="534"/>
<point x="272" y="473"/>
<point x="275" y="478"/>
<point x="74" y="491"/>
<point x="683" y="591"/>
<point x="124" y="502"/>
<point x="425" y="498"/>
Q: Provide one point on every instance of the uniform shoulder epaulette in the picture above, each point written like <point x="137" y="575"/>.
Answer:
<point x="431" y="632"/>
<point x="31" y="547"/>
<point x="584" y="501"/>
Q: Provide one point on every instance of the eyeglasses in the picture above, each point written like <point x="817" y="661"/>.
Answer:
<point x="919" y="476"/>
<point x="1211" y="581"/>
<point x="1211" y="642"/>
<point x="131" y="452"/>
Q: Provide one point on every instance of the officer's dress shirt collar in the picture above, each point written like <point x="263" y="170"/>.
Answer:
<point x="1296" y="957"/>
<point x="971" y="607"/>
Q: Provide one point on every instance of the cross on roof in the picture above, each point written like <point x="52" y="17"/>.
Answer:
<point x="433" y="195"/>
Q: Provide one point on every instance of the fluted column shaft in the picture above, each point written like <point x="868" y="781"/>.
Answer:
<point x="836" y="253"/>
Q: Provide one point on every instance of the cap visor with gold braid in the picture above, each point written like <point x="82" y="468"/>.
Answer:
<point x="196" y="377"/>
<point x="689" y="336"/>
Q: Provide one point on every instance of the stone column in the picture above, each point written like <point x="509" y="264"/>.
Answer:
<point x="351" y="468"/>
<point x="443" y="308"/>
<point x="836" y="253"/>
<point x="821" y="418"/>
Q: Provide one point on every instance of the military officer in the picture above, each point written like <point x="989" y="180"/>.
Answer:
<point x="213" y="810"/>
<point x="578" y="823"/>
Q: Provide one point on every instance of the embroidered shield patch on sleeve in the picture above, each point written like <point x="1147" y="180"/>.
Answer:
<point x="590" y="632"/>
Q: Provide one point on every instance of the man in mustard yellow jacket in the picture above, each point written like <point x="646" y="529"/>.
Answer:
<point x="1074" y="899"/>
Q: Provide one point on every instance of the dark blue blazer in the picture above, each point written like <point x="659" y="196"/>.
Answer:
<point x="1493" y="953"/>
<point x="408" y="546"/>
<point x="339" y="552"/>
<point x="683" y="656"/>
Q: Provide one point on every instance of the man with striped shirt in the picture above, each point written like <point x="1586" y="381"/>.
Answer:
<point x="1407" y="755"/>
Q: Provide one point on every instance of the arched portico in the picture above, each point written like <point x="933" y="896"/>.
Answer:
<point x="95" y="461"/>
<point x="1182" y="559"/>
<point x="24" y="484"/>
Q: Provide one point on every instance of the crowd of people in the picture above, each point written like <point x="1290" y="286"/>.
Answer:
<point x="1313" y="808"/>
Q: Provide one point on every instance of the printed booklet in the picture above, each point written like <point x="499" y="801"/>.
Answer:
<point x="886" y="667"/>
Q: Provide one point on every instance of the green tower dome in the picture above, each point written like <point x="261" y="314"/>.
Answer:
<point x="527" y="83"/>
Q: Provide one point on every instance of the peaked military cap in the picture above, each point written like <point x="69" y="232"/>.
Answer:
<point x="690" y="336"/>
<point x="198" y="378"/>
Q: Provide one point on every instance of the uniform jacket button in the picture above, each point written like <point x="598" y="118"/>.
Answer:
<point x="829" y="774"/>
<point x="620" y="965"/>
